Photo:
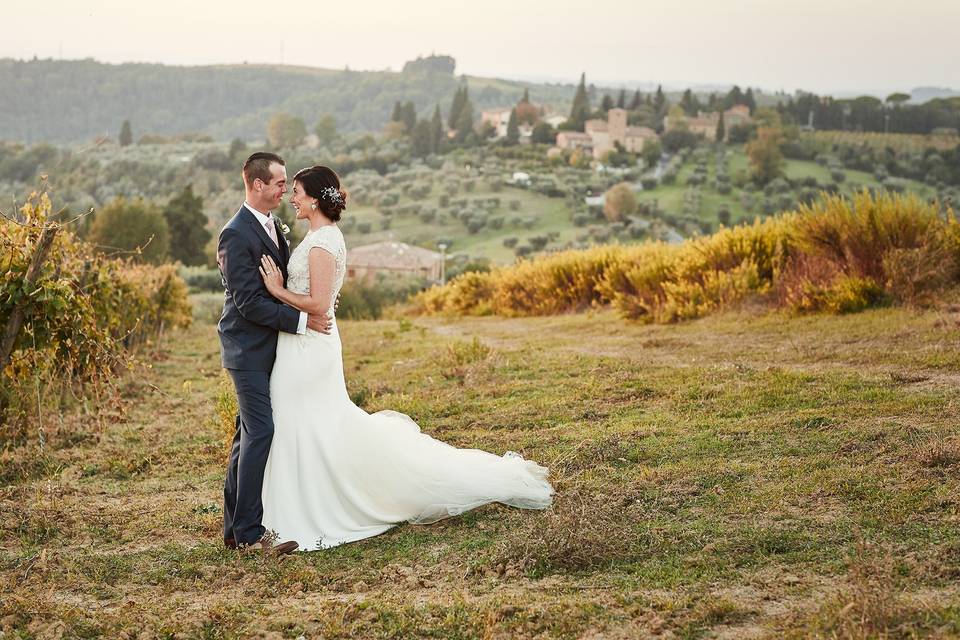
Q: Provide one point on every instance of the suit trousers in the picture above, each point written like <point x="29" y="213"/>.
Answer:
<point x="242" y="501"/>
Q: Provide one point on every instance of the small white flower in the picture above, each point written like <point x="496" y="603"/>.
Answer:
<point x="284" y="229"/>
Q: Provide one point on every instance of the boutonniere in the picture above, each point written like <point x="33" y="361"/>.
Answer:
<point x="284" y="229"/>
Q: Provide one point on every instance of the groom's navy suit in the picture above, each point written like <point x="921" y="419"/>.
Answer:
<point x="248" y="331"/>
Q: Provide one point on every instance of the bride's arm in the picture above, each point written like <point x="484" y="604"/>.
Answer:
<point x="322" y="270"/>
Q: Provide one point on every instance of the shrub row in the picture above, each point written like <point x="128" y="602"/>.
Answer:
<point x="833" y="255"/>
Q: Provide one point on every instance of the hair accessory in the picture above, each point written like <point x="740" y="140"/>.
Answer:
<point x="333" y="195"/>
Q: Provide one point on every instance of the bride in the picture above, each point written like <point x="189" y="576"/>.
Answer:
<point x="336" y="473"/>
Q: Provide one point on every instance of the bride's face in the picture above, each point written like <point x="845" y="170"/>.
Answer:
<point x="301" y="201"/>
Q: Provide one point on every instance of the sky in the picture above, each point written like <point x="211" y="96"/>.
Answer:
<point x="826" y="46"/>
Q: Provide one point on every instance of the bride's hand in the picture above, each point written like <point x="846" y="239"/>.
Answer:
<point x="271" y="275"/>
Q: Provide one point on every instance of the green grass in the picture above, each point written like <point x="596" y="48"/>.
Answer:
<point x="741" y="475"/>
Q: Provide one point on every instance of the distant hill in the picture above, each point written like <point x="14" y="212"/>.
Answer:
<point x="70" y="101"/>
<point x="921" y="95"/>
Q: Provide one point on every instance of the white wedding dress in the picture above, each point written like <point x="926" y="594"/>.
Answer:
<point x="336" y="473"/>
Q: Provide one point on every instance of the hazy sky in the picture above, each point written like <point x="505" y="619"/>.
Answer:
<point x="819" y="45"/>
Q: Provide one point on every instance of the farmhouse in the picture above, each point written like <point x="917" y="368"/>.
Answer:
<point x="392" y="258"/>
<point x="602" y="136"/>
<point x="705" y="124"/>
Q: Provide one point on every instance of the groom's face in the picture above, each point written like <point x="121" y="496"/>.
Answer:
<point x="272" y="192"/>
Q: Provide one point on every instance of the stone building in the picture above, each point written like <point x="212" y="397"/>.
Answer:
<point x="392" y="258"/>
<point x="601" y="136"/>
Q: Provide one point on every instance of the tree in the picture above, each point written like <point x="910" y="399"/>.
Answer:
<point x="131" y="225"/>
<point x="437" y="137"/>
<point x="734" y="96"/>
<point x="659" y="102"/>
<point x="460" y="97"/>
<point x="464" y="121"/>
<point x="421" y="138"/>
<point x="580" y="110"/>
<point x="651" y="152"/>
<point x="768" y="117"/>
<point x="749" y="100"/>
<point x="637" y="101"/>
<point x="690" y="103"/>
<point x="513" y="130"/>
<point x="622" y="99"/>
<point x="721" y="129"/>
<point x="527" y="112"/>
<point x="619" y="202"/>
<point x="326" y="129"/>
<point x="187" y="225"/>
<point x="285" y="131"/>
<point x="126" y="134"/>
<point x="897" y="99"/>
<point x="678" y="138"/>
<point x="607" y="103"/>
<point x="397" y="115"/>
<point x="543" y="133"/>
<point x="766" y="159"/>
<point x="408" y="115"/>
<point x="238" y="150"/>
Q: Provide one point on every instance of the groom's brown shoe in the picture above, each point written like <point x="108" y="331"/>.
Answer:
<point x="269" y="548"/>
<point x="230" y="543"/>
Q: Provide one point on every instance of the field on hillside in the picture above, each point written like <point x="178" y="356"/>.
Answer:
<point x="534" y="215"/>
<point x="530" y="219"/>
<point x="739" y="476"/>
<point x="707" y="201"/>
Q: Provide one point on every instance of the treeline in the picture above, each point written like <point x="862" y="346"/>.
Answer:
<point x="84" y="99"/>
<point x="866" y="113"/>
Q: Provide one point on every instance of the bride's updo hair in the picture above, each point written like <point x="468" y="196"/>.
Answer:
<point x="323" y="183"/>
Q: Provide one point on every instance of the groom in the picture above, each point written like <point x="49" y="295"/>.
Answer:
<point x="248" y="331"/>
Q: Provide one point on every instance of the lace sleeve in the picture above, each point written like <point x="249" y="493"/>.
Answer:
<point x="325" y="239"/>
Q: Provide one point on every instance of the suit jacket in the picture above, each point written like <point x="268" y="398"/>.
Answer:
<point x="251" y="317"/>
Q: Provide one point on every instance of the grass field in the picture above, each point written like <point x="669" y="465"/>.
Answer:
<point x="740" y="476"/>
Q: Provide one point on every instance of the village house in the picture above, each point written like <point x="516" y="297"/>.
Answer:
<point x="366" y="262"/>
<point x="602" y="136"/>
<point x="705" y="124"/>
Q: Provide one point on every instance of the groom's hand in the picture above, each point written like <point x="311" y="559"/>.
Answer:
<point x="319" y="323"/>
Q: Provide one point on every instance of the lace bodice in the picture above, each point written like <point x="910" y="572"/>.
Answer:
<point x="328" y="238"/>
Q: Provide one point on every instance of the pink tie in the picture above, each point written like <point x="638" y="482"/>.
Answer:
<point x="272" y="231"/>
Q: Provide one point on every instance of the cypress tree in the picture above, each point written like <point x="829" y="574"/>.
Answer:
<point x="397" y="115"/>
<point x="459" y="98"/>
<point x="409" y="116"/>
<point x="126" y="135"/>
<point x="721" y="129"/>
<point x="580" y="110"/>
<point x="622" y="99"/>
<point x="749" y="100"/>
<point x="513" y="130"/>
<point x="607" y="103"/>
<point x="659" y="101"/>
<point x="465" y="119"/>
<point x="637" y="101"/>
<point x="436" y="130"/>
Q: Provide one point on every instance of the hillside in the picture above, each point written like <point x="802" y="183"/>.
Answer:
<point x="740" y="476"/>
<point x="71" y="101"/>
